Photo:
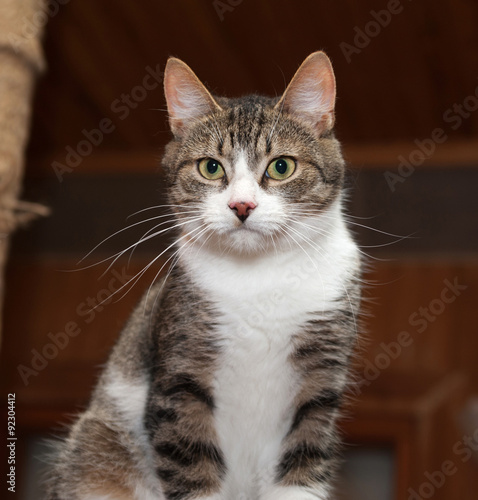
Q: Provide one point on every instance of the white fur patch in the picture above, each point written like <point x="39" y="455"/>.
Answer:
<point x="264" y="300"/>
<point x="243" y="186"/>
<point x="143" y="493"/>
<point x="129" y="397"/>
<point x="295" y="493"/>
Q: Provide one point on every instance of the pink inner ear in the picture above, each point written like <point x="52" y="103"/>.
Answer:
<point x="186" y="96"/>
<point x="311" y="93"/>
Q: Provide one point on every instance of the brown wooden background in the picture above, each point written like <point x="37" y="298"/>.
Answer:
<point x="403" y="84"/>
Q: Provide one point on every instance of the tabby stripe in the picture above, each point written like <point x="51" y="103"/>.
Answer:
<point x="321" y="172"/>
<point x="331" y="363"/>
<point x="302" y="456"/>
<point x="240" y="133"/>
<point x="307" y="351"/>
<point x="325" y="324"/>
<point x="188" y="201"/>
<point x="348" y="313"/>
<point x="328" y="399"/>
<point x="323" y="476"/>
<point x="315" y="350"/>
<point x="187" y="453"/>
<point x="260" y="124"/>
<point x="256" y="139"/>
<point x="188" y="488"/>
<point x="157" y="416"/>
<point x="166" y="414"/>
<point x="166" y="474"/>
<point x="186" y="384"/>
<point x="177" y="494"/>
<point x="183" y="164"/>
<point x="179" y="479"/>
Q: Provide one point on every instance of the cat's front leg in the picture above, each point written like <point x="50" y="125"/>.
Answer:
<point x="310" y="449"/>
<point x="309" y="453"/>
<point x="186" y="456"/>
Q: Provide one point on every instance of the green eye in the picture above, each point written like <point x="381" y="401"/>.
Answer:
<point x="211" y="169"/>
<point x="281" y="169"/>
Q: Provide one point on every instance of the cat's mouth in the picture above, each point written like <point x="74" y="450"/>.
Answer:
<point x="242" y="224"/>
<point x="245" y="228"/>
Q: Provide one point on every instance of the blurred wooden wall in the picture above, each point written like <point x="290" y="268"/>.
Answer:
<point x="417" y="74"/>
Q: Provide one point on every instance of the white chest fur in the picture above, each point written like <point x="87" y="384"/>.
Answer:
<point x="262" y="303"/>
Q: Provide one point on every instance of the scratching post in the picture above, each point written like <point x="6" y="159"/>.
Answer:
<point x="21" y="60"/>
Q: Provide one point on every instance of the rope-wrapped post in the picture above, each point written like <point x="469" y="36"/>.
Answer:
<point x="21" y="60"/>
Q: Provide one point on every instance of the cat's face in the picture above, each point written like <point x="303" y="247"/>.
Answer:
<point x="251" y="174"/>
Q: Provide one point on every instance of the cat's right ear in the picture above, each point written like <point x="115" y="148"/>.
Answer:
<point x="187" y="98"/>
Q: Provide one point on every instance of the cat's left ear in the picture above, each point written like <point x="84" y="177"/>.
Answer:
<point x="311" y="93"/>
<point x="187" y="98"/>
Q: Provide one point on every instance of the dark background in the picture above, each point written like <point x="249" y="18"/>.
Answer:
<point x="401" y="83"/>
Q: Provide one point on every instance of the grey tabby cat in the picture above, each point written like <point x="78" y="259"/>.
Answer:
<point x="227" y="381"/>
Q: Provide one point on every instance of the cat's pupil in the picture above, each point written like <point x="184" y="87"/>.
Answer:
<point x="281" y="166"/>
<point x="212" y="166"/>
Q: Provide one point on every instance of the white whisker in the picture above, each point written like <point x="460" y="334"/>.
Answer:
<point x="145" y="269"/>
<point x="142" y="240"/>
<point x="155" y="207"/>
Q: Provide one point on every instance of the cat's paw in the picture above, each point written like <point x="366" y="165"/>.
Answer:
<point x="295" y="493"/>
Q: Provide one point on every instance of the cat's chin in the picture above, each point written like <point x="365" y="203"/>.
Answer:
<point x="239" y="241"/>
<point x="244" y="240"/>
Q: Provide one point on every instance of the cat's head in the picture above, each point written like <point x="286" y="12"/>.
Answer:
<point x="251" y="173"/>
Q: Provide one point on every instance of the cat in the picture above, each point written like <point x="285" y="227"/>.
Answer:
<point x="227" y="381"/>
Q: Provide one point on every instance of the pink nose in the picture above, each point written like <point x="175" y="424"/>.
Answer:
<point x="242" y="208"/>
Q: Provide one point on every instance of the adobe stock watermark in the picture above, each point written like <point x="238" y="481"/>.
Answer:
<point x="462" y="451"/>
<point x="223" y="6"/>
<point x="32" y="27"/>
<point x="455" y="116"/>
<point x="420" y="320"/>
<point x="363" y="36"/>
<point x="11" y="443"/>
<point x="86" y="311"/>
<point x="121" y="108"/>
